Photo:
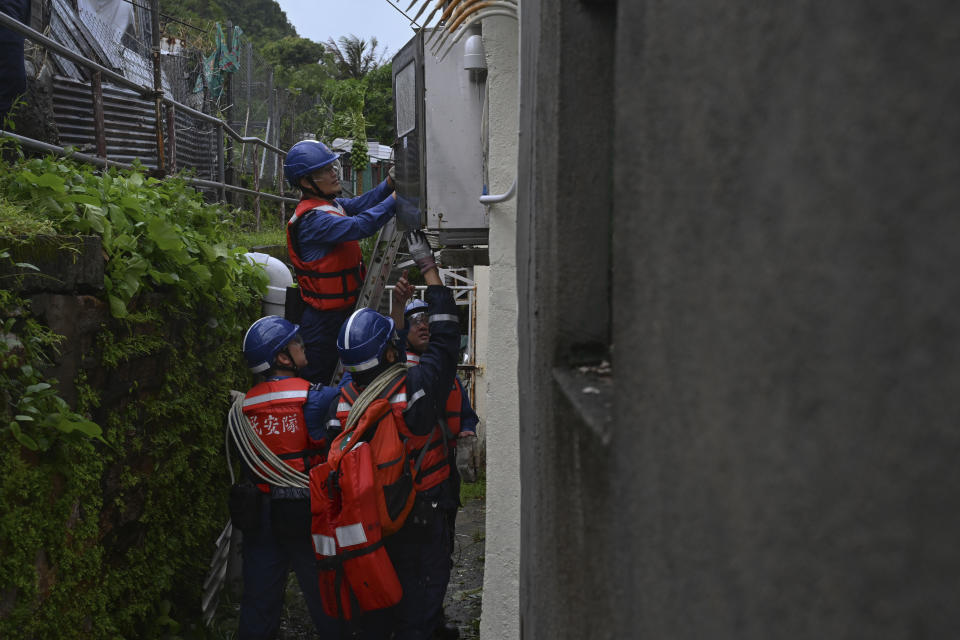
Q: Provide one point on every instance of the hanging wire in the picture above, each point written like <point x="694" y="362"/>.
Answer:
<point x="412" y="21"/>
<point x="163" y="15"/>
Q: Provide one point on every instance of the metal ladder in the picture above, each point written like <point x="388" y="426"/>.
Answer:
<point x="381" y="263"/>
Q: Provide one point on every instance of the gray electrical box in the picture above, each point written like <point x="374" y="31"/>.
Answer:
<point x="439" y="148"/>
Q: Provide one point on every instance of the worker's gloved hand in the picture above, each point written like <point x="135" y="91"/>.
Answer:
<point x="393" y="178"/>
<point x="421" y="251"/>
<point x="467" y="462"/>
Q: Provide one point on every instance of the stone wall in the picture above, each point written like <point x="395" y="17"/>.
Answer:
<point x="90" y="517"/>
<point x="64" y="295"/>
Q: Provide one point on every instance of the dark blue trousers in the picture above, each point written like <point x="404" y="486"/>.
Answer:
<point x="267" y="561"/>
<point x="320" y="330"/>
<point x="420" y="553"/>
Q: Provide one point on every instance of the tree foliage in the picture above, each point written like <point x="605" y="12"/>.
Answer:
<point x="262" y="21"/>
<point x="348" y="75"/>
<point x="293" y="51"/>
<point x="298" y="63"/>
<point x="378" y="108"/>
<point x="354" y="57"/>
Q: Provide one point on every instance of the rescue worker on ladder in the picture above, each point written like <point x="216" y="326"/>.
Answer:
<point x="368" y="347"/>
<point x="459" y="415"/>
<point x="289" y="415"/>
<point x="322" y="241"/>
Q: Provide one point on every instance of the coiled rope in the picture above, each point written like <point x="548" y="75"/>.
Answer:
<point x="259" y="459"/>
<point x="374" y="389"/>
<point x="263" y="462"/>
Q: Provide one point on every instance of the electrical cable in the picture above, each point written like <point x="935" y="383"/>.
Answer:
<point x="476" y="17"/>
<point x="459" y="13"/>
<point x="423" y="8"/>
<point x="226" y="446"/>
<point x="412" y="20"/>
<point x="454" y="10"/>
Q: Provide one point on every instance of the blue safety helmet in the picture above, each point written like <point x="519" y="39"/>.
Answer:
<point x="265" y="338"/>
<point x="304" y="158"/>
<point x="414" y="307"/>
<point x="363" y="339"/>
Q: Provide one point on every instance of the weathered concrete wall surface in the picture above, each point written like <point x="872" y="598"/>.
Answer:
<point x="775" y="453"/>
<point x="499" y="619"/>
<point x="65" y="292"/>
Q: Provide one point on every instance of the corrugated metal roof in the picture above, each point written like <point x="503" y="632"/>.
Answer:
<point x="375" y="150"/>
<point x="86" y="34"/>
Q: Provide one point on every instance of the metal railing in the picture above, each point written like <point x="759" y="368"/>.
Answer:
<point x="465" y="295"/>
<point x="156" y="94"/>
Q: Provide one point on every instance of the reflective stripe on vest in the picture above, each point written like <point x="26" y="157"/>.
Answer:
<point x="250" y="401"/>
<point x="324" y="545"/>
<point x="351" y="534"/>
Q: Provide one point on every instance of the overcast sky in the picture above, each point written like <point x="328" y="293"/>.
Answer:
<point x="322" y="19"/>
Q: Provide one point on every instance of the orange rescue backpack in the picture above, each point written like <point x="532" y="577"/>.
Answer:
<point x="360" y="495"/>
<point x="355" y="572"/>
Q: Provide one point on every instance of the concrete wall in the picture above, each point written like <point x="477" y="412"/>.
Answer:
<point x="482" y="346"/>
<point x="772" y="190"/>
<point x="499" y="619"/>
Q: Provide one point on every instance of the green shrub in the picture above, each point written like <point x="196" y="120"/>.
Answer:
<point x="109" y="510"/>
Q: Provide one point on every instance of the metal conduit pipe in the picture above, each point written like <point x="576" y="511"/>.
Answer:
<point x="478" y="16"/>
<point x="476" y="11"/>
<point x="45" y="146"/>
<point x="425" y="5"/>
<point x="473" y="11"/>
<point x="455" y="8"/>
<point x="500" y="197"/>
<point x="100" y="162"/>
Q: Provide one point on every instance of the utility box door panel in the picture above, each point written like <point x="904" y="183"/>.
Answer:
<point x="407" y="149"/>
<point x="439" y="150"/>
<point x="453" y="117"/>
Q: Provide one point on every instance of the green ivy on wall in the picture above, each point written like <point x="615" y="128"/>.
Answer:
<point x="109" y="510"/>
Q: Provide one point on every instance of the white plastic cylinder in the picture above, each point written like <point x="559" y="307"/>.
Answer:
<point x="473" y="58"/>
<point x="279" y="276"/>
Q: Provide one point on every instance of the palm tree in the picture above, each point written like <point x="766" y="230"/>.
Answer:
<point x="354" y="56"/>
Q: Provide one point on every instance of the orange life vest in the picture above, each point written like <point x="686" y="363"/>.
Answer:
<point x="335" y="280"/>
<point x="275" y="411"/>
<point x="451" y="413"/>
<point x="433" y="463"/>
